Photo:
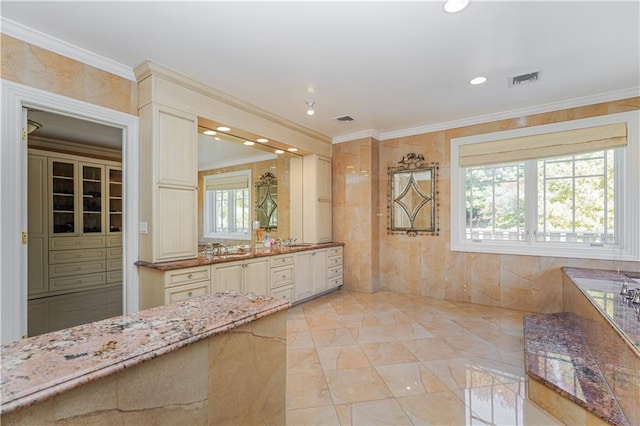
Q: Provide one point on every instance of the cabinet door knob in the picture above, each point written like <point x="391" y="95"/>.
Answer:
<point x="190" y="294"/>
<point x="190" y="276"/>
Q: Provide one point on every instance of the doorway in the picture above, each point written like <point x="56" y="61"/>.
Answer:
<point x="14" y="205"/>
<point x="74" y="221"/>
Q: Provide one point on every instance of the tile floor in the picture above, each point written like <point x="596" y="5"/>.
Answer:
<point x="392" y="359"/>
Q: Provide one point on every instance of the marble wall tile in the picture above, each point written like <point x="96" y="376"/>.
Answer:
<point x="425" y="265"/>
<point x="36" y="67"/>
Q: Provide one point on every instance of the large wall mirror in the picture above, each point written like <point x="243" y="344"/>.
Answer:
<point x="412" y="203"/>
<point x="264" y="197"/>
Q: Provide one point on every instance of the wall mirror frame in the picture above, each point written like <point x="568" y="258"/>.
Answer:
<point x="412" y="202"/>
<point x="267" y="201"/>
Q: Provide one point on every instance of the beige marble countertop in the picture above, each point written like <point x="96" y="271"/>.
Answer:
<point x="253" y="253"/>
<point x="43" y="366"/>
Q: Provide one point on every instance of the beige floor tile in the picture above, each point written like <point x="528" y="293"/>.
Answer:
<point x="385" y="353"/>
<point x="410" y="379"/>
<point x="313" y="416"/>
<point x="441" y="408"/>
<point x="342" y="357"/>
<point x="355" y="385"/>
<point x="378" y="333"/>
<point x="306" y="390"/>
<point x="409" y="331"/>
<point x="461" y="373"/>
<point x="333" y="337"/>
<point x="303" y="361"/>
<point x="388" y="358"/>
<point x="299" y="340"/>
<point x="324" y="321"/>
<point x="381" y="412"/>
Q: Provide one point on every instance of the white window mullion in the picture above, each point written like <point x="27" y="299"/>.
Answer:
<point x="531" y="201"/>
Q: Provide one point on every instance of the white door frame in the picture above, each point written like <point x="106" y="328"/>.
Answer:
<point x="13" y="197"/>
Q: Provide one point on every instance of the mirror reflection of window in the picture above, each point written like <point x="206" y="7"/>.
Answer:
<point x="227" y="205"/>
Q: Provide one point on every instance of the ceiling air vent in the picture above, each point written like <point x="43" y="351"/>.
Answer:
<point x="521" y="79"/>
<point x="344" y="119"/>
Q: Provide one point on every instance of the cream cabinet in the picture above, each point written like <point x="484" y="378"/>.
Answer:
<point x="251" y="275"/>
<point x="335" y="272"/>
<point x="168" y="184"/>
<point x="316" y="199"/>
<point x="311" y="273"/>
<point x="68" y="218"/>
<point x="163" y="287"/>
<point x="283" y="276"/>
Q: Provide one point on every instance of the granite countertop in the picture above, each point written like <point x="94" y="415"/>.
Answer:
<point x="557" y="355"/>
<point x="202" y="260"/>
<point x="603" y="290"/>
<point x="43" y="366"/>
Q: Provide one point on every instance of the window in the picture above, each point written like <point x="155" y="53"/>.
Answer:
<point x="567" y="190"/>
<point x="227" y="205"/>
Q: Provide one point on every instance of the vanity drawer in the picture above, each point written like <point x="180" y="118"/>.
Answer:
<point x="61" y="243"/>
<point x="77" y="281"/>
<point x="184" y="292"/>
<point x="187" y="275"/>
<point x="336" y="271"/>
<point x="70" y="256"/>
<point x="281" y="260"/>
<point x="283" y="293"/>
<point x="66" y="269"/>
<point x="335" y="282"/>
<point x="282" y="276"/>
<point x="335" y="251"/>
<point x="334" y="261"/>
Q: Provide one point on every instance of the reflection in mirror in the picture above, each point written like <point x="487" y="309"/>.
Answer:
<point x="412" y="197"/>
<point x="267" y="201"/>
<point x="221" y="153"/>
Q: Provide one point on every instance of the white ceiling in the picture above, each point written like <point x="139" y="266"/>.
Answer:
<point x="392" y="66"/>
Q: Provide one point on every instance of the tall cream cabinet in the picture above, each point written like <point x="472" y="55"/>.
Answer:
<point x="74" y="237"/>
<point x="316" y="201"/>
<point x="168" y="184"/>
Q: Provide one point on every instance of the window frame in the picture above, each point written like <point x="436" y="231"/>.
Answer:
<point x="208" y="213"/>
<point x="627" y="200"/>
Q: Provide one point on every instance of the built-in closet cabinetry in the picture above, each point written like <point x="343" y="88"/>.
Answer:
<point x="168" y="184"/>
<point x="74" y="239"/>
<point x="316" y="201"/>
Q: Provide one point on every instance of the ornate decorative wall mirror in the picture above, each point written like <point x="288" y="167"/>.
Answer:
<point x="267" y="201"/>
<point x="412" y="205"/>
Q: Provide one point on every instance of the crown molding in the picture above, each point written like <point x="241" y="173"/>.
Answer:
<point x="45" y="41"/>
<point x="371" y="133"/>
<point x="521" y="112"/>
<point x="149" y="68"/>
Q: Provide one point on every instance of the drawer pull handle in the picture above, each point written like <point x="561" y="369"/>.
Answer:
<point x="190" y="276"/>
<point x="284" y="276"/>
<point x="190" y="294"/>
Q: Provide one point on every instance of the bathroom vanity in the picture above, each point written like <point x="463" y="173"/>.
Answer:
<point x="293" y="273"/>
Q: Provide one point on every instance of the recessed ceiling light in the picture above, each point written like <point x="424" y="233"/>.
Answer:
<point x="292" y="149"/>
<point x="223" y="129"/>
<point x="279" y="151"/>
<point x="249" y="143"/>
<point x="478" y="80"/>
<point x="262" y="140"/>
<point x="209" y="132"/>
<point x="455" y="6"/>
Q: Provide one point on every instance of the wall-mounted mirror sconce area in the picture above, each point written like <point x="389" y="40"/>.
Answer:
<point x="412" y="203"/>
